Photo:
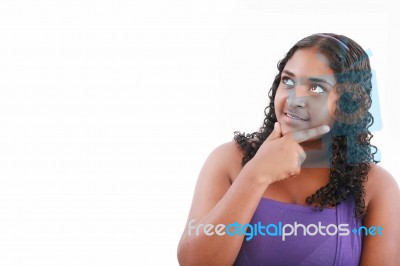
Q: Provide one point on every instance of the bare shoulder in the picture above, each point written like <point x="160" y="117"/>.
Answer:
<point x="229" y="156"/>
<point x="230" y="149"/>
<point x="214" y="178"/>
<point x="380" y="183"/>
<point x="383" y="212"/>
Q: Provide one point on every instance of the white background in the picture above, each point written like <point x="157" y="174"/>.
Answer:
<point x="108" y="110"/>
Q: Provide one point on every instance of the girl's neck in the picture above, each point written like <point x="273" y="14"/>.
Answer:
<point x="317" y="153"/>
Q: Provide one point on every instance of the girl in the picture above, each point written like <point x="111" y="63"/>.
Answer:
<point x="305" y="189"/>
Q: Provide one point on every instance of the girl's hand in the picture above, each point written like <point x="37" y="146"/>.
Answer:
<point x="280" y="157"/>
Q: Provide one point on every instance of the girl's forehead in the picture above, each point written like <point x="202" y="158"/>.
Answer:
<point x="309" y="62"/>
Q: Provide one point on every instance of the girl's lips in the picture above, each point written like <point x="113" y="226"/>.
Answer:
<point x="293" y="121"/>
<point x="294" y="117"/>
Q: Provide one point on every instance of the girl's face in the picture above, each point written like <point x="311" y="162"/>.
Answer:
<point x="306" y="96"/>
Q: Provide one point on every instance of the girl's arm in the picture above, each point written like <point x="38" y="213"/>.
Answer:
<point x="215" y="202"/>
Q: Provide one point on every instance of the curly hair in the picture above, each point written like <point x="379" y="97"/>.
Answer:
<point x="351" y="152"/>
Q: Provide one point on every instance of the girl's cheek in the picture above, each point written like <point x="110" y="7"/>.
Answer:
<point x="280" y="95"/>
<point x="278" y="98"/>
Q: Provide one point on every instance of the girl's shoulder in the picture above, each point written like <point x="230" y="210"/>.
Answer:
<point x="379" y="182"/>
<point x="229" y="155"/>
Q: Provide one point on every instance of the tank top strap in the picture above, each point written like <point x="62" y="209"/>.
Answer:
<point x="348" y="246"/>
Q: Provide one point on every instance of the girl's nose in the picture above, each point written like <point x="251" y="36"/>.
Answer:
<point x="297" y="97"/>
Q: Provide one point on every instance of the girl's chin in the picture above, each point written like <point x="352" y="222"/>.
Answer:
<point x="288" y="129"/>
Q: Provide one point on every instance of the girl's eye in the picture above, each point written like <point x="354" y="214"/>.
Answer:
<point x="317" y="89"/>
<point x="287" y="81"/>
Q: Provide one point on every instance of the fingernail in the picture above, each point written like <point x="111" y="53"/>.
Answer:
<point x="325" y="128"/>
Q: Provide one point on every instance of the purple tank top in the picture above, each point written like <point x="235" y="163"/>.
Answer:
<point x="318" y="249"/>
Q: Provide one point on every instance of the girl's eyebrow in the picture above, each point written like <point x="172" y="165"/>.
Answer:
<point x="310" y="79"/>
<point x="288" y="72"/>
